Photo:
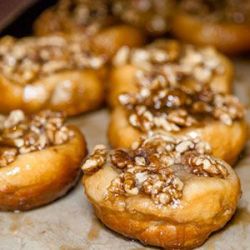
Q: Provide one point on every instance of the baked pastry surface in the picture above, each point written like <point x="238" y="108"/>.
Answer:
<point x="164" y="192"/>
<point x="91" y="18"/>
<point x="222" y="24"/>
<point x="177" y="63"/>
<point x="40" y="159"/>
<point x="53" y="72"/>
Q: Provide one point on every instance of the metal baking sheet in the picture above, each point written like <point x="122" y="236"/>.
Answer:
<point x="69" y="223"/>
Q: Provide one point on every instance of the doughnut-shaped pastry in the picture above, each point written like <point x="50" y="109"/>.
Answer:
<point x="40" y="159"/>
<point x="164" y="192"/>
<point x="224" y="24"/>
<point x="216" y="118"/>
<point x="153" y="16"/>
<point x="94" y="20"/>
<point x="54" y="72"/>
<point x="180" y="64"/>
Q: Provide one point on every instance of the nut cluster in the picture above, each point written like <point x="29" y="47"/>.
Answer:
<point x="152" y="15"/>
<point x="158" y="105"/>
<point x="22" y="61"/>
<point x="7" y="155"/>
<point x="85" y="14"/>
<point x="222" y="11"/>
<point x="154" y="167"/>
<point x="174" y="62"/>
<point x="96" y="160"/>
<point x="204" y="165"/>
<point x="20" y="134"/>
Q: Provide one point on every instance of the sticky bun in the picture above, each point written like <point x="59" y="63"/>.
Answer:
<point x="178" y="110"/>
<point x="223" y="24"/>
<point x="40" y="159"/>
<point x="53" y="72"/>
<point x="164" y="191"/>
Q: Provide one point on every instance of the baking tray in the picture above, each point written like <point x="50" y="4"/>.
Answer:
<point x="69" y="223"/>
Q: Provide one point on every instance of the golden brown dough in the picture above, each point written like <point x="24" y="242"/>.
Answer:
<point x="53" y="72"/>
<point x="94" y="20"/>
<point x="180" y="64"/>
<point x="216" y="118"/>
<point x="222" y="24"/>
<point x="39" y="160"/>
<point x="165" y="192"/>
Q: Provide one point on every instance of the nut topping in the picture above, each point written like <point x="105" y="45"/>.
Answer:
<point x="174" y="87"/>
<point x="155" y="166"/>
<point x="173" y="108"/>
<point x="20" y="134"/>
<point x="24" y="60"/>
<point x="96" y="160"/>
<point x="203" y="165"/>
<point x="7" y="155"/>
<point x="173" y="61"/>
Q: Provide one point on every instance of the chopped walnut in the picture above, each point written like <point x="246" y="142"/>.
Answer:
<point x="96" y="160"/>
<point x="24" y="60"/>
<point x="155" y="165"/>
<point x="227" y="108"/>
<point x="7" y="156"/>
<point x="205" y="165"/>
<point x="20" y="134"/>
<point x="14" y="118"/>
<point x="120" y="159"/>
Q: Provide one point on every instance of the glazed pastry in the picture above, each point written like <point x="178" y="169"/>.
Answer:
<point x="158" y="106"/>
<point x="153" y="16"/>
<point x="40" y="159"/>
<point x="54" y="72"/>
<point x="91" y="18"/>
<point x="167" y="192"/>
<point x="180" y="64"/>
<point x="223" y="24"/>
